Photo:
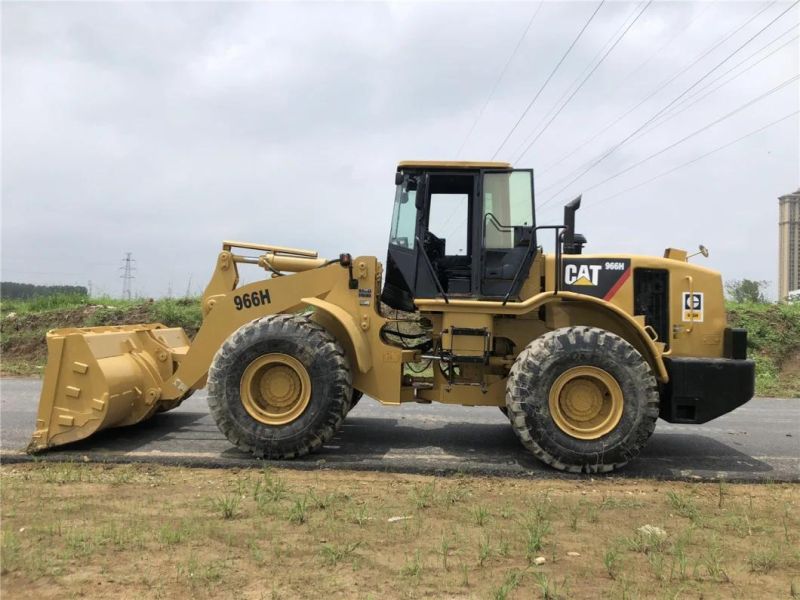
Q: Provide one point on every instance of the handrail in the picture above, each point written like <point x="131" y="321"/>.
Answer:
<point x="527" y="256"/>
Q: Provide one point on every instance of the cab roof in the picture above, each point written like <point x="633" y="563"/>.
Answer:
<point x="451" y="164"/>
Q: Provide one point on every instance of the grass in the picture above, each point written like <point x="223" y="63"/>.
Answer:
<point x="773" y="339"/>
<point x="162" y="532"/>
<point x="25" y="322"/>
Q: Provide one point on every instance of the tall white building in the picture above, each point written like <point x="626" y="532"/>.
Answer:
<point x="789" y="244"/>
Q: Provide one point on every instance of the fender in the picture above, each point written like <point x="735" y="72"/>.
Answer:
<point x="628" y="323"/>
<point x="358" y="339"/>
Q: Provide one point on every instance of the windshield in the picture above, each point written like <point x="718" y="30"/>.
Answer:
<point x="404" y="217"/>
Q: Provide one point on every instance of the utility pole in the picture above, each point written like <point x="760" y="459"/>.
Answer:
<point x="90" y="288"/>
<point x="127" y="269"/>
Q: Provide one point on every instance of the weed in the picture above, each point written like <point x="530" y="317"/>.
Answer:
<point x="547" y="587"/>
<point x="197" y="573"/>
<point x="506" y="512"/>
<point x="503" y="549"/>
<point x="444" y="550"/>
<point x="122" y="475"/>
<point x="611" y="503"/>
<point x="422" y="495"/>
<point x="592" y="514"/>
<point x="574" y="513"/>
<point x="298" y="513"/>
<point x="170" y="535"/>
<point x="269" y="489"/>
<point x="454" y="494"/>
<point x="333" y="554"/>
<point x="646" y="541"/>
<point x="227" y="506"/>
<point x="656" y="561"/>
<point x="683" y="506"/>
<point x="542" y="505"/>
<point x="534" y="537"/>
<point x="510" y="583"/>
<point x="484" y="551"/>
<point x="763" y="560"/>
<point x="712" y="561"/>
<point x="9" y="551"/>
<point x="611" y="561"/>
<point x="413" y="567"/>
<point x="256" y="554"/>
<point x="480" y="514"/>
<point x="680" y="560"/>
<point x="464" y="575"/>
<point x="359" y="516"/>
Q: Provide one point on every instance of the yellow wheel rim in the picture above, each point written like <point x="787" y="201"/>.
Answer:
<point x="275" y="389"/>
<point x="586" y="402"/>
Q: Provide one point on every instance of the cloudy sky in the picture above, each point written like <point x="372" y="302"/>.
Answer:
<point x="162" y="129"/>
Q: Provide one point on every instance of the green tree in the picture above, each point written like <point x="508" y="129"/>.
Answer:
<point x="746" y="290"/>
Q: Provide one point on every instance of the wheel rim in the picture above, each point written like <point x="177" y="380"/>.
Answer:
<point x="275" y="389"/>
<point x="586" y="402"/>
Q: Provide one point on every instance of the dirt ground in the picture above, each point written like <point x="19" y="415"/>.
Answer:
<point x="81" y="530"/>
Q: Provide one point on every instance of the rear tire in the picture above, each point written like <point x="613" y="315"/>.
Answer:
<point x="279" y="387"/>
<point x="582" y="399"/>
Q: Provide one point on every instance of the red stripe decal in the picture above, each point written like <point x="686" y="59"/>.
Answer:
<point x="623" y="278"/>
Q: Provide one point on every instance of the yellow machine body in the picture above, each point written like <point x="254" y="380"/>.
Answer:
<point x="103" y="377"/>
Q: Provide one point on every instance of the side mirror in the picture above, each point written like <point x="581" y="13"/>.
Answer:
<point x="700" y="250"/>
<point x="398" y="178"/>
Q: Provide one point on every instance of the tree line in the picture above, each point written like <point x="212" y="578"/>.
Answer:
<point x="11" y="290"/>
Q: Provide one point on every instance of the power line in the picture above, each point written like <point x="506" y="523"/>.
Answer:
<point x="694" y="160"/>
<point x="663" y="85"/>
<point x="549" y="77"/>
<point x="674" y="100"/>
<point x="499" y="78"/>
<point x="578" y="78"/>
<point x="691" y="135"/>
<point x="681" y="107"/>
<point x="681" y="30"/>
<point x="585" y="79"/>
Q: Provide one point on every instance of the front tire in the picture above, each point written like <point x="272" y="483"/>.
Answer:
<point x="279" y="387"/>
<point x="582" y="399"/>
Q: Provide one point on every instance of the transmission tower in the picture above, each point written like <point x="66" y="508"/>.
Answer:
<point x="127" y="268"/>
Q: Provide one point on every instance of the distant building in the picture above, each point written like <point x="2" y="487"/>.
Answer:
<point x="789" y="244"/>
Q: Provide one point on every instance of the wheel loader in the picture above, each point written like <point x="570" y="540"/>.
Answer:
<point x="583" y="352"/>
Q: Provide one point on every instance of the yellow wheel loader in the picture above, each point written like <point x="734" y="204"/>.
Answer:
<point x="583" y="352"/>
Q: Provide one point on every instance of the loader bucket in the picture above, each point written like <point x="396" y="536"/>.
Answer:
<point x="101" y="377"/>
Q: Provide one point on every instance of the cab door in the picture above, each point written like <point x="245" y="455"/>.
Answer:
<point x="507" y="231"/>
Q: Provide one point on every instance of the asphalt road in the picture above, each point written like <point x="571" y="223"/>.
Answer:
<point x="757" y="442"/>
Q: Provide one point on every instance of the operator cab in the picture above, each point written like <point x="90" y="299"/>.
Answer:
<point x="459" y="230"/>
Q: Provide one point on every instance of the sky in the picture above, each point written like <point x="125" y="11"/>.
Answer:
<point x="162" y="129"/>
